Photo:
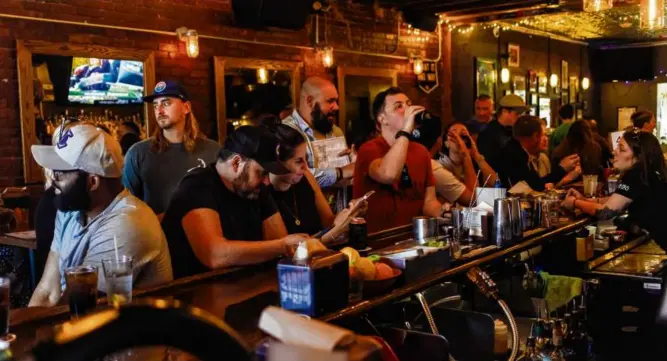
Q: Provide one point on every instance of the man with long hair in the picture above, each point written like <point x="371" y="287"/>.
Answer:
<point x="154" y="166"/>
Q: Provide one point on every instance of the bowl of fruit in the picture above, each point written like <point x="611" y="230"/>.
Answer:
<point x="378" y="276"/>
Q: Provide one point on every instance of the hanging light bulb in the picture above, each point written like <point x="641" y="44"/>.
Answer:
<point x="417" y="66"/>
<point x="652" y="14"/>
<point x="262" y="76"/>
<point x="327" y="56"/>
<point x="191" y="40"/>
<point x="505" y="75"/>
<point x="585" y="83"/>
<point x="553" y="80"/>
<point x="598" y="5"/>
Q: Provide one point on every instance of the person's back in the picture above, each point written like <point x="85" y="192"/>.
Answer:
<point x="566" y="114"/>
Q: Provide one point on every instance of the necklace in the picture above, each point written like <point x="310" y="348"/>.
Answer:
<point x="294" y="214"/>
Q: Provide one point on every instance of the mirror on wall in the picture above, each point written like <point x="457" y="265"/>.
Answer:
<point x="66" y="82"/>
<point x="248" y="88"/>
<point x="357" y="87"/>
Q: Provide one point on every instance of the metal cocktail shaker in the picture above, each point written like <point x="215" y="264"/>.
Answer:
<point x="515" y="216"/>
<point x="502" y="222"/>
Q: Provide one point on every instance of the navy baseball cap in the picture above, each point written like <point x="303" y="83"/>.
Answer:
<point x="258" y="144"/>
<point x="167" y="88"/>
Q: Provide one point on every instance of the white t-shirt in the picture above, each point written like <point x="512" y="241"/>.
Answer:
<point x="447" y="184"/>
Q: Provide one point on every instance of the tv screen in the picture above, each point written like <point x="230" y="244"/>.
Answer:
<point x="106" y="81"/>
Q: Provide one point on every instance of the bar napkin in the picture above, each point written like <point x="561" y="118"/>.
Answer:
<point x="294" y="329"/>
<point x="521" y="188"/>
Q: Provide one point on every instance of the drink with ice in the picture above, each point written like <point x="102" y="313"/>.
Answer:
<point x="118" y="278"/>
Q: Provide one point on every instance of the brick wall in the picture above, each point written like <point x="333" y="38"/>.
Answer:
<point x="350" y="26"/>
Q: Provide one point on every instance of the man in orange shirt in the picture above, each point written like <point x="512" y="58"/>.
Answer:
<point x="397" y="169"/>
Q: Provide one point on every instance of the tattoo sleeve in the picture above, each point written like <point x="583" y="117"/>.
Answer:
<point x="606" y="213"/>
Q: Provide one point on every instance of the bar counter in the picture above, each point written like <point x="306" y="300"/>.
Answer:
<point x="239" y="295"/>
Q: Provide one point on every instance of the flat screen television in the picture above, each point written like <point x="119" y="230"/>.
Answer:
<point x="106" y="81"/>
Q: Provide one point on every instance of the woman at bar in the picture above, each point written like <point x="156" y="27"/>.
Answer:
<point x="581" y="140"/>
<point x="642" y="189"/>
<point x="455" y="170"/>
<point x="300" y="200"/>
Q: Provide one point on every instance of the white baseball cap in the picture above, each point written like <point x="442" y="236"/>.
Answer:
<point x="82" y="147"/>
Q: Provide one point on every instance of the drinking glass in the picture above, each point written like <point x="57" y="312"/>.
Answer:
<point x="590" y="185"/>
<point x="82" y="287"/>
<point x="118" y="277"/>
<point x="5" y="303"/>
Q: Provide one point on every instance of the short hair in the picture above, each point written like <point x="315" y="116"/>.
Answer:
<point x="527" y="126"/>
<point x="483" y="97"/>
<point x="378" y="102"/>
<point x="566" y="111"/>
<point x="640" y="118"/>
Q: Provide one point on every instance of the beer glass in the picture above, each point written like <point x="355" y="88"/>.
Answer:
<point x="82" y="288"/>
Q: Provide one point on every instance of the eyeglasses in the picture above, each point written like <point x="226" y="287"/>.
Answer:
<point x="58" y="175"/>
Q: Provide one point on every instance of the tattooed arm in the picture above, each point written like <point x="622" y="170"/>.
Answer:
<point x="613" y="207"/>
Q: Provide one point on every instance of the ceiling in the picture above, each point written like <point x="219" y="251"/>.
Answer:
<point x="565" y="18"/>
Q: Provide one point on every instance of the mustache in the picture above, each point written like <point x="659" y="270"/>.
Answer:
<point x="162" y="117"/>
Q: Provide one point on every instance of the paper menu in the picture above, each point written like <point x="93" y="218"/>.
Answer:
<point x="326" y="152"/>
<point x="294" y="329"/>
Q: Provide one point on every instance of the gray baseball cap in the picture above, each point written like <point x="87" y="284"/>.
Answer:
<point x="513" y="101"/>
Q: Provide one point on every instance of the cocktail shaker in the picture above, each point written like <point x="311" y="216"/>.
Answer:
<point x="515" y="216"/>
<point x="502" y="222"/>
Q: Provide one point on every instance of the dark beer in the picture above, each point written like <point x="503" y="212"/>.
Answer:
<point x="82" y="289"/>
<point x="358" y="233"/>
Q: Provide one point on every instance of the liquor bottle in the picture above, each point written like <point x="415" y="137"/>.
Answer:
<point x="531" y="353"/>
<point x="557" y="354"/>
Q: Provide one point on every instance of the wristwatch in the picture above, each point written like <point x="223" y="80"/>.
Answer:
<point x="403" y="133"/>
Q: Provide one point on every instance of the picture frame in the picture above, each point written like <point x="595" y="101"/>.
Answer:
<point x="514" y="52"/>
<point x="623" y="115"/>
<point x="542" y="82"/>
<point x="519" y="86"/>
<point x="574" y="89"/>
<point x="545" y="110"/>
<point x="564" y="74"/>
<point x="486" y="76"/>
<point x="564" y="97"/>
<point x="533" y="99"/>
<point x="532" y="81"/>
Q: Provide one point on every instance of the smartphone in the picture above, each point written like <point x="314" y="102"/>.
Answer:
<point x="361" y="201"/>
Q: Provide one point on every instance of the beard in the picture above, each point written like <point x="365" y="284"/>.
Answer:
<point x="323" y="123"/>
<point x="241" y="187"/>
<point x="75" y="197"/>
<point x="165" y="122"/>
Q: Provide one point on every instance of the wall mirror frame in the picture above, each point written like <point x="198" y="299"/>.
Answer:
<point x="344" y="71"/>
<point x="221" y="64"/>
<point x="25" y="49"/>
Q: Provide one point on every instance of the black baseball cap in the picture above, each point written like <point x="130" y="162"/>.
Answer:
<point x="258" y="144"/>
<point x="167" y="88"/>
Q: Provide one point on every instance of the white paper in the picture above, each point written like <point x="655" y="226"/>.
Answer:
<point x="281" y="352"/>
<point x="521" y="188"/>
<point x="293" y="329"/>
<point x="326" y="152"/>
<point x="489" y="195"/>
<point x="485" y="207"/>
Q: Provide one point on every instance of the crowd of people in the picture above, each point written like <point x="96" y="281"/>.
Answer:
<point x="181" y="204"/>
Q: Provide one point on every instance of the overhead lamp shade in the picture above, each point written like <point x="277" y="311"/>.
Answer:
<point x="553" y="80"/>
<point x="598" y="5"/>
<point x="585" y="83"/>
<point x="505" y="75"/>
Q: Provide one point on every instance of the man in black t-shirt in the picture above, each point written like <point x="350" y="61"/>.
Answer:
<point x="223" y="215"/>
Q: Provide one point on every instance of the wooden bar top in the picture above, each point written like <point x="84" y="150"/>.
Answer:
<point x="239" y="295"/>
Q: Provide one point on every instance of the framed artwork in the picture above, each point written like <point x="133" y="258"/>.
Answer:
<point x="542" y="81"/>
<point x="428" y="79"/>
<point x="519" y="84"/>
<point x="533" y="99"/>
<point x="564" y="97"/>
<point x="574" y="89"/>
<point x="624" y="114"/>
<point x="545" y="110"/>
<point x="532" y="81"/>
<point x="514" y="52"/>
<point x="485" y="77"/>
<point x="507" y="92"/>
<point x="564" y="74"/>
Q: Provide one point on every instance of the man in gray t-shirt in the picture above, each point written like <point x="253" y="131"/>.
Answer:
<point x="154" y="166"/>
<point x="96" y="214"/>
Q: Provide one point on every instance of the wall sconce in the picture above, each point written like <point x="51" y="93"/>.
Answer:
<point x="553" y="80"/>
<point x="327" y="54"/>
<point x="262" y="76"/>
<point x="585" y="83"/>
<point x="417" y="66"/>
<point x="652" y="14"/>
<point x="191" y="40"/>
<point x="505" y="75"/>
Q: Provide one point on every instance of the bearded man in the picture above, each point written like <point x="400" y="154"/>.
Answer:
<point x="223" y="215"/>
<point x="315" y="119"/>
<point x="96" y="217"/>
